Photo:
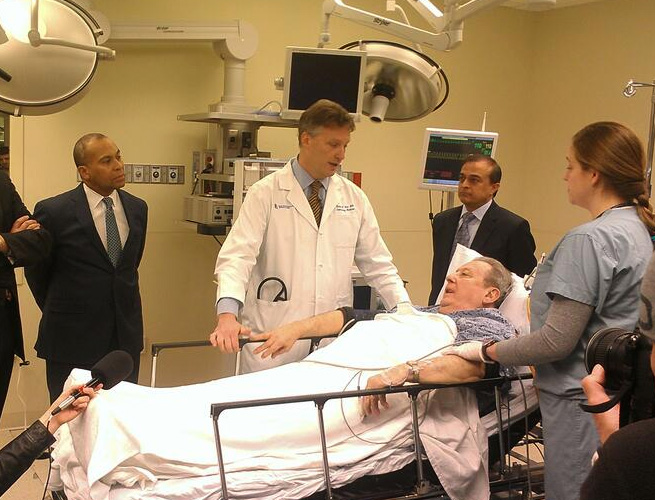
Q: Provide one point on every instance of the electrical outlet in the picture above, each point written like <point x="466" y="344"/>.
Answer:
<point x="175" y="174"/>
<point x="172" y="175"/>
<point x="137" y="173"/>
<point x="155" y="174"/>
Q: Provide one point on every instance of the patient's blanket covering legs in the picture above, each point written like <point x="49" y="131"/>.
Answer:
<point x="141" y="442"/>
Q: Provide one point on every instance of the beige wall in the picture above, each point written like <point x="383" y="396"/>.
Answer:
<point x="539" y="76"/>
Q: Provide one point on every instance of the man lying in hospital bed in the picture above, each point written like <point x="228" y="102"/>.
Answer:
<point x="138" y="442"/>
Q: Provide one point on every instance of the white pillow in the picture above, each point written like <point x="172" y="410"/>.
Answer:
<point x="515" y="307"/>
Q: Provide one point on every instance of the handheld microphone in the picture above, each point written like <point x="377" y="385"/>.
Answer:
<point x="109" y="371"/>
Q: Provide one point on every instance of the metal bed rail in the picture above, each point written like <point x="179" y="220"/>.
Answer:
<point x="156" y="348"/>
<point x="320" y="399"/>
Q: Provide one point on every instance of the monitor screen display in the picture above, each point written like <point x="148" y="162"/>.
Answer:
<point x="312" y="74"/>
<point x="444" y="152"/>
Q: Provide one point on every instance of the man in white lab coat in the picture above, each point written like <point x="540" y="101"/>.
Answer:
<point x="290" y="252"/>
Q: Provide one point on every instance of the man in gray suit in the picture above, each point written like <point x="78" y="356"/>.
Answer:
<point x="88" y="290"/>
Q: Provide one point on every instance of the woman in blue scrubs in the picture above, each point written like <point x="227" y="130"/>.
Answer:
<point x="589" y="281"/>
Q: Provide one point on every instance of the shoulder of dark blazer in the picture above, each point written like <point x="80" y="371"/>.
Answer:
<point x="62" y="198"/>
<point x="447" y="216"/>
<point x="496" y="212"/>
<point x="133" y="200"/>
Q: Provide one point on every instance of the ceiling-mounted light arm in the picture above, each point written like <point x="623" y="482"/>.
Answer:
<point x="466" y="10"/>
<point x="37" y="40"/>
<point x="630" y="90"/>
<point x="447" y="26"/>
<point x="428" y="11"/>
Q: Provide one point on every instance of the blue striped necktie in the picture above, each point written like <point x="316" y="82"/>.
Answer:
<point x="114" y="246"/>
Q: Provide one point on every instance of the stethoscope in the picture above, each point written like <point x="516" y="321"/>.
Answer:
<point x="282" y="294"/>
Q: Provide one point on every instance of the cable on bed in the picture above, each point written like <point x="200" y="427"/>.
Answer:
<point x="355" y="434"/>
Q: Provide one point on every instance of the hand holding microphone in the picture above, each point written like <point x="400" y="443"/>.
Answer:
<point x="106" y="373"/>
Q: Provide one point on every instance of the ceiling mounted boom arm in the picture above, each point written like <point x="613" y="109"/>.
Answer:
<point x="447" y="25"/>
<point x="235" y="41"/>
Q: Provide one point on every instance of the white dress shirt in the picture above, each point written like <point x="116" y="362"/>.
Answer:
<point x="97" y="207"/>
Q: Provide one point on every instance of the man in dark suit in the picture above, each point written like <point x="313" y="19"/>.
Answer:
<point x="22" y="242"/>
<point x="88" y="290"/>
<point x="480" y="224"/>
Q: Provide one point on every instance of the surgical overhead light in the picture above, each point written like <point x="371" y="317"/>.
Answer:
<point x="403" y="84"/>
<point x="49" y="54"/>
<point x="628" y="91"/>
<point x="400" y="84"/>
<point x="15" y="18"/>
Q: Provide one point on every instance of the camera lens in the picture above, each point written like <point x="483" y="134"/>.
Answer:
<point x="614" y="349"/>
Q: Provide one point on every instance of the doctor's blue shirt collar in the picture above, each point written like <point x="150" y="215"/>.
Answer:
<point x="305" y="180"/>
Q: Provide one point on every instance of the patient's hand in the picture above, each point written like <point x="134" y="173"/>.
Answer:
<point x="277" y="341"/>
<point x="594" y="388"/>
<point x="391" y="377"/>
<point x="225" y="335"/>
<point x="370" y="405"/>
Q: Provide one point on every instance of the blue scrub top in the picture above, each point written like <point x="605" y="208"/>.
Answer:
<point x="600" y="264"/>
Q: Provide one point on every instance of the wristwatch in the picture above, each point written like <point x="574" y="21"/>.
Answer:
<point x="414" y="371"/>
<point x="485" y="356"/>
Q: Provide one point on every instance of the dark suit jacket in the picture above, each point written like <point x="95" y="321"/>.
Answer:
<point x="26" y="247"/>
<point x="88" y="305"/>
<point x="502" y="235"/>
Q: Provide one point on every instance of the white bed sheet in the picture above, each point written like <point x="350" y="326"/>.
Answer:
<point x="137" y="440"/>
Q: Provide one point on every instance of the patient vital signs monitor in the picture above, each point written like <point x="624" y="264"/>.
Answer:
<point x="444" y="152"/>
<point x="312" y="74"/>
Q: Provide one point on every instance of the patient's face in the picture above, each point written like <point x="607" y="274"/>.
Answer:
<point x="465" y="288"/>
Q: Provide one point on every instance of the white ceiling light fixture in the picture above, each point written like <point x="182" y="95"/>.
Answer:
<point x="401" y="84"/>
<point x="49" y="56"/>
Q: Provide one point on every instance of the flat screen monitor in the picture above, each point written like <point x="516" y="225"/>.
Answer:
<point x="444" y="152"/>
<point x="312" y="74"/>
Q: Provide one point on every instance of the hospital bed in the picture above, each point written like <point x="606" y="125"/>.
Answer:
<point x="516" y="412"/>
<point x="417" y="480"/>
<point x="106" y="435"/>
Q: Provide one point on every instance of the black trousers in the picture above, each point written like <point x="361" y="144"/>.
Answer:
<point x="57" y="373"/>
<point x="7" y="349"/>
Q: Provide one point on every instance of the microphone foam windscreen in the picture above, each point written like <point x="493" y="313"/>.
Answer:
<point x="113" y="368"/>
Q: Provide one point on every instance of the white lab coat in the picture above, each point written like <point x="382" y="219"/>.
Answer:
<point x="276" y="235"/>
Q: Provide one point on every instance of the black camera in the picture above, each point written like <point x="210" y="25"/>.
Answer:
<point x="625" y="356"/>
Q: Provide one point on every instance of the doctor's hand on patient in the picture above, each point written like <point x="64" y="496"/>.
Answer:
<point x="279" y="340"/>
<point x="226" y="334"/>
